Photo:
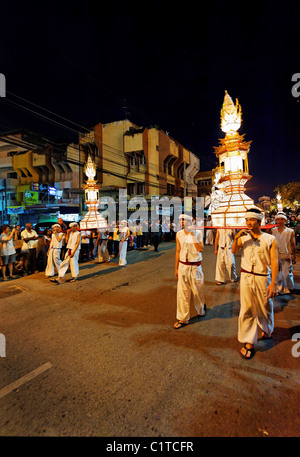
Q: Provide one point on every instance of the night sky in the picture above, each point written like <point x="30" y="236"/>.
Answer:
<point x="169" y="65"/>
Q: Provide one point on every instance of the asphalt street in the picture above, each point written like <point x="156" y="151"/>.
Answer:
<point x="100" y="357"/>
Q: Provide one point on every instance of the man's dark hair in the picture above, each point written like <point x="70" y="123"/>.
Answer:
<point x="254" y="210"/>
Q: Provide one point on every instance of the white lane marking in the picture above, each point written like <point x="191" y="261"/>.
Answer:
<point x="6" y="390"/>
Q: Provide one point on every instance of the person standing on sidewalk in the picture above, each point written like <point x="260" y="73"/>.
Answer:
<point x="286" y="254"/>
<point x="209" y="239"/>
<point x="259" y="259"/>
<point x="116" y="240"/>
<point x="188" y="271"/>
<point x="124" y="234"/>
<point x="8" y="251"/>
<point x="30" y="237"/>
<point x="102" y="240"/>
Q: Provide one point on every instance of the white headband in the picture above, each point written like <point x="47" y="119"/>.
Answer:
<point x="55" y="225"/>
<point x="281" y="215"/>
<point x="185" y="216"/>
<point x="73" y="224"/>
<point x="250" y="215"/>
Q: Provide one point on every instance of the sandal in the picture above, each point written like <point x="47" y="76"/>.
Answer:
<point x="265" y="336"/>
<point x="219" y="283"/>
<point x="252" y="352"/>
<point x="179" y="324"/>
<point x="73" y="280"/>
<point x="55" y="281"/>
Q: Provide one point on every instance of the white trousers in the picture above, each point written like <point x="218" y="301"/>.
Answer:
<point x="225" y="262"/>
<point x="53" y="262"/>
<point x="285" y="279"/>
<point x="190" y="282"/>
<point x="71" y="262"/>
<point x="209" y="239"/>
<point x="256" y="309"/>
<point x="103" y="254"/>
<point x="123" y="253"/>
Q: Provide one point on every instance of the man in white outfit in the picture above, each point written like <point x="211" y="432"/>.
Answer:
<point x="209" y="239"/>
<point x="123" y="235"/>
<point x="225" y="258"/>
<point x="72" y="254"/>
<point x="188" y="271"/>
<point x="286" y="254"/>
<point x="259" y="259"/>
<point x="54" y="251"/>
<point x="102" y="239"/>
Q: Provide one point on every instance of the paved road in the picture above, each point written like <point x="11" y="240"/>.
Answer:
<point x="99" y="357"/>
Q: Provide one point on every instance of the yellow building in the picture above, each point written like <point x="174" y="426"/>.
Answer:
<point x="145" y="161"/>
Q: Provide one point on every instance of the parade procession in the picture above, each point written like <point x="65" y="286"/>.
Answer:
<point x="149" y="226"/>
<point x="237" y="225"/>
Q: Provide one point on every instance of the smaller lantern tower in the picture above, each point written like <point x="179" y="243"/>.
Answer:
<point x="279" y="203"/>
<point x="93" y="219"/>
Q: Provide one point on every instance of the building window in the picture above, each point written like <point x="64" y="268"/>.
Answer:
<point x="206" y="182"/>
<point x="131" y="188"/>
<point x="13" y="175"/>
<point x="132" y="161"/>
<point x="170" y="170"/>
<point x="170" y="189"/>
<point x="140" y="188"/>
<point x="180" y="171"/>
<point x="142" y="159"/>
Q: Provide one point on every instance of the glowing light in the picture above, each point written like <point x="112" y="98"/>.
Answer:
<point x="231" y="115"/>
<point x="90" y="169"/>
<point x="92" y="219"/>
<point x="229" y="209"/>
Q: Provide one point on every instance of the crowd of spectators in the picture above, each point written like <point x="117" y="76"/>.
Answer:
<point x="24" y="250"/>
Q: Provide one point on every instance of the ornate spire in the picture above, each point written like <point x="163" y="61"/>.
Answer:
<point x="231" y="115"/>
<point x="90" y="169"/>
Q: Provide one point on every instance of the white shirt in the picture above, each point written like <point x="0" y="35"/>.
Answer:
<point x="283" y="241"/>
<point x="32" y="243"/>
<point x="73" y="237"/>
<point x="123" y="233"/>
<point x="85" y="233"/>
<point x="256" y="255"/>
<point x="7" y="245"/>
<point x="188" y="250"/>
<point x="225" y="238"/>
<point x="103" y="235"/>
<point x="55" y="244"/>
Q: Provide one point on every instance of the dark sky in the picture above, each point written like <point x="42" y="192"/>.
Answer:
<point x="172" y="64"/>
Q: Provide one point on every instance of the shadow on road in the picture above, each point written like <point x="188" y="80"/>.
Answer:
<point x="133" y="257"/>
<point x="279" y="335"/>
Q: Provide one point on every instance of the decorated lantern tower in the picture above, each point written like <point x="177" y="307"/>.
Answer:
<point x="92" y="219"/>
<point x="233" y="169"/>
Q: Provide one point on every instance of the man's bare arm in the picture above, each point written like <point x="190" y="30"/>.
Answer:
<point x="177" y="254"/>
<point x="271" y="289"/>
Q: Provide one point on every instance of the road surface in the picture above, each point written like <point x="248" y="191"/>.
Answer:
<point x="100" y="357"/>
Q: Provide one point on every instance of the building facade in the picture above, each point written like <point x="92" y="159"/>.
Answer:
<point x="42" y="180"/>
